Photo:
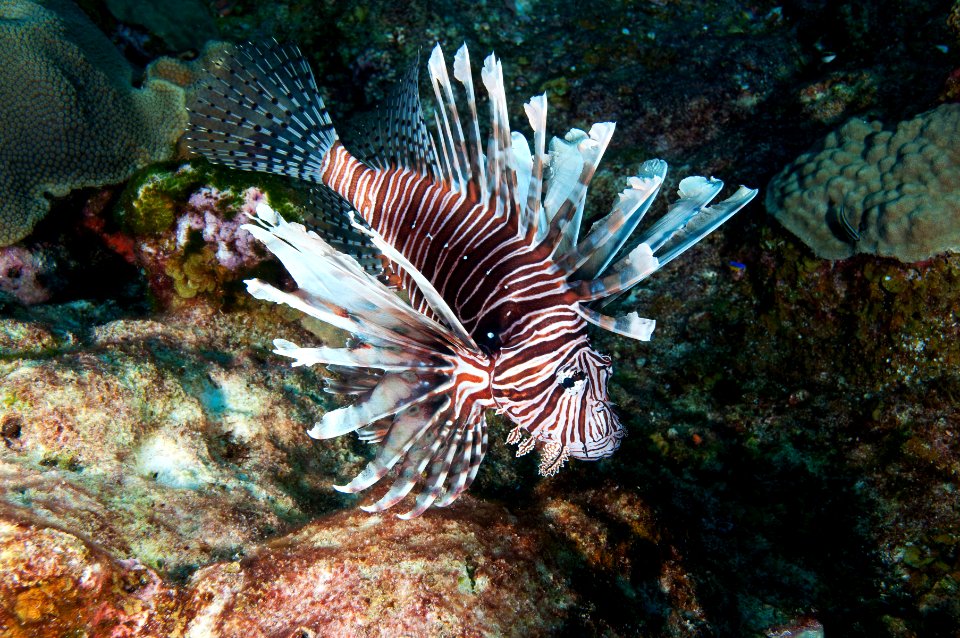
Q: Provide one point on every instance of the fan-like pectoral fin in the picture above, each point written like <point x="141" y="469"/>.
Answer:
<point x="407" y="428"/>
<point x="473" y="449"/>
<point x="394" y="393"/>
<point x="335" y="289"/>
<point x="364" y="356"/>
<point x="454" y="465"/>
<point x="442" y="460"/>
<point x="413" y="466"/>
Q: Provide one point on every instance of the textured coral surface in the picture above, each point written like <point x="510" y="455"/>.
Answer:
<point x="72" y="114"/>
<point x="897" y="190"/>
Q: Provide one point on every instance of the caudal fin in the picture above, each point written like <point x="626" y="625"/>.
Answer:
<point x="258" y="109"/>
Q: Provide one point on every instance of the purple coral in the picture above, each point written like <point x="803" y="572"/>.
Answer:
<point x="235" y="247"/>
<point x="20" y="275"/>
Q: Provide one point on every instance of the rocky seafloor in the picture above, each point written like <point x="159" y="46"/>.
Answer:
<point x="792" y="464"/>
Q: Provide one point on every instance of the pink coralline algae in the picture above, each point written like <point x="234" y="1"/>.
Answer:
<point x="61" y="585"/>
<point x="349" y="574"/>
<point x="235" y="248"/>
<point x="470" y="572"/>
<point x="20" y="272"/>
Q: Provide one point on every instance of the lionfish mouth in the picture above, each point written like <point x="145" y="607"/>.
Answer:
<point x="465" y="225"/>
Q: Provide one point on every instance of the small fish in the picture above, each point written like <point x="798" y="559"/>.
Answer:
<point x="484" y="235"/>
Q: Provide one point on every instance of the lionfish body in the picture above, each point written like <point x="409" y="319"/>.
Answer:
<point x="486" y="243"/>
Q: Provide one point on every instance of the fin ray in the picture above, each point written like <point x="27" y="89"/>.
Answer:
<point x="259" y="109"/>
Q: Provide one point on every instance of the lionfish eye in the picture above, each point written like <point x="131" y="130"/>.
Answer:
<point x="488" y="338"/>
<point x="570" y="381"/>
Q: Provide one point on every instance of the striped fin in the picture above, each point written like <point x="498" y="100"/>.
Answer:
<point x="259" y="109"/>
<point x="437" y="472"/>
<point x="464" y="74"/>
<point x="695" y="194"/>
<point x="404" y="431"/>
<point x="453" y="145"/>
<point x="330" y="218"/>
<point x="687" y="221"/>
<point x="630" y="325"/>
<point x="524" y="163"/>
<point x="566" y="164"/>
<point x="416" y="461"/>
<point x="704" y="221"/>
<point x="363" y="356"/>
<point x="501" y="162"/>
<point x="534" y="214"/>
<point x="374" y="432"/>
<point x="468" y="462"/>
<point x="565" y="221"/>
<point x="335" y="289"/>
<point x="394" y="134"/>
<point x="593" y="255"/>
<point x="395" y="393"/>
<point x="351" y="380"/>
<point x="628" y="272"/>
<point x="411" y="374"/>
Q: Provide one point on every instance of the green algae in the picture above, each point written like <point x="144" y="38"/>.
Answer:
<point x="193" y="274"/>
<point x="154" y="197"/>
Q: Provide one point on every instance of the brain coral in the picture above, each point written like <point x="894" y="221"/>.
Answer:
<point x="70" y="115"/>
<point x="867" y="189"/>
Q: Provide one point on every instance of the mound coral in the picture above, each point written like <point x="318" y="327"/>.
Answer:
<point x="71" y="115"/>
<point x="867" y="189"/>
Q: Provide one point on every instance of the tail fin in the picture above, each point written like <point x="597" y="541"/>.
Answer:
<point x="258" y="109"/>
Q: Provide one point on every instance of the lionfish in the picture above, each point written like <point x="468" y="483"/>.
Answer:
<point x="483" y="236"/>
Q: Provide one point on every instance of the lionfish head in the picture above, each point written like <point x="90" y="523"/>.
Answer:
<point x="558" y="396"/>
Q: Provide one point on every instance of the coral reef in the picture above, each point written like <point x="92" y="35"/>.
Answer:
<point x="474" y="570"/>
<point x="182" y="226"/>
<point x="66" y="586"/>
<point x="164" y="438"/>
<point x="792" y="456"/>
<point x="869" y="190"/>
<point x="83" y="122"/>
<point x="342" y="575"/>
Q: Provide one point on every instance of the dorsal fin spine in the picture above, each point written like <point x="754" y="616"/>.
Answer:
<point x="564" y="227"/>
<point x="500" y="160"/>
<point x="443" y="161"/>
<point x="464" y="74"/>
<point x="451" y="119"/>
<point x="536" y="110"/>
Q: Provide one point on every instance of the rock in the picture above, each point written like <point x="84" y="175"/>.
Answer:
<point x="468" y="571"/>
<point x="53" y="583"/>
<point x="162" y="438"/>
